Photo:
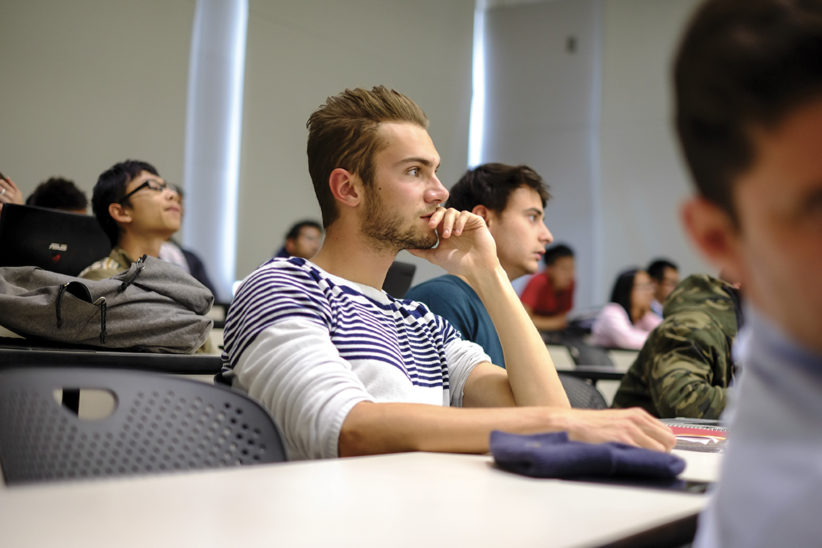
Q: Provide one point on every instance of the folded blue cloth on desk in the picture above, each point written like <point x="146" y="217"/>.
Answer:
<point x="553" y="455"/>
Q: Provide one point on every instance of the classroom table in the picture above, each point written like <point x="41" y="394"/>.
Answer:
<point x="593" y="372"/>
<point x="408" y="499"/>
<point x="15" y="352"/>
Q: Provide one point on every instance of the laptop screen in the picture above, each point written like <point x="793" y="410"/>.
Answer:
<point x="51" y="239"/>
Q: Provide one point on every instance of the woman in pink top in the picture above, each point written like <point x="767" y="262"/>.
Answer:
<point x="627" y="320"/>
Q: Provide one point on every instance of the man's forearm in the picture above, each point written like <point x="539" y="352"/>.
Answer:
<point x="378" y="428"/>
<point x="397" y="427"/>
<point x="531" y="372"/>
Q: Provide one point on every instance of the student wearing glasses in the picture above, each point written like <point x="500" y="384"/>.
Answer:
<point x="138" y="211"/>
<point x="665" y="277"/>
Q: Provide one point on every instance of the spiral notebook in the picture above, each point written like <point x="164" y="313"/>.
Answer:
<point x="705" y="435"/>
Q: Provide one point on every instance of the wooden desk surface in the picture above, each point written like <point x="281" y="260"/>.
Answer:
<point x="411" y="499"/>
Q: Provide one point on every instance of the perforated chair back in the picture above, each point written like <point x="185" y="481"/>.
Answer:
<point x="582" y="394"/>
<point x="160" y="423"/>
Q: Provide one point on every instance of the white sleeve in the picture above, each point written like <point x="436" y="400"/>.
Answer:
<point x="297" y="374"/>
<point x="463" y="356"/>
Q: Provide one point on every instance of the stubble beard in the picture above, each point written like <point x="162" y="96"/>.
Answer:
<point x="386" y="231"/>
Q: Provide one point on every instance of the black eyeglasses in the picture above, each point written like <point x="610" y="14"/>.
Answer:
<point x="151" y="185"/>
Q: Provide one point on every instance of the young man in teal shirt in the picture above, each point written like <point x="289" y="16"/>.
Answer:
<point x="511" y="199"/>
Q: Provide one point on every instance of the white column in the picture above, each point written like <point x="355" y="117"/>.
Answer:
<point x="213" y="130"/>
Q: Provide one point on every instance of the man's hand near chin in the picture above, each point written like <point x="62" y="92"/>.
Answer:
<point x="465" y="244"/>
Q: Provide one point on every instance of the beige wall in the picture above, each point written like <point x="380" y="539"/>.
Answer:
<point x="87" y="83"/>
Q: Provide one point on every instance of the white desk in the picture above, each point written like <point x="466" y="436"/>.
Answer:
<point x="412" y="499"/>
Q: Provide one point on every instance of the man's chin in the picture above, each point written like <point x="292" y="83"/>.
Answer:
<point x="426" y="242"/>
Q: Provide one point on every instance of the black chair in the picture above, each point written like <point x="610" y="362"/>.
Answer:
<point x="160" y="423"/>
<point x="398" y="279"/>
<point x="585" y="354"/>
<point x="581" y="393"/>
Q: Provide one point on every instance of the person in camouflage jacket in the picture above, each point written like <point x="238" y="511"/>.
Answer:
<point x="685" y="366"/>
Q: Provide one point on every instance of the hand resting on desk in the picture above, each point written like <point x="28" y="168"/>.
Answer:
<point x="374" y="428"/>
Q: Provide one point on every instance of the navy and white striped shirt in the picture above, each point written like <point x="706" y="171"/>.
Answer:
<point x="311" y="345"/>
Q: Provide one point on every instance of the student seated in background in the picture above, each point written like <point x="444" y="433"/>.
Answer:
<point x="685" y="367"/>
<point x="346" y="369"/>
<point x="511" y="200"/>
<point x="748" y="107"/>
<point x="138" y="211"/>
<point x="549" y="295"/>
<point x="59" y="193"/>
<point x="665" y="277"/>
<point x="626" y="321"/>
<point x="303" y="239"/>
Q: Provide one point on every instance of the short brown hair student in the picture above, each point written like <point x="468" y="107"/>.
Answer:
<point x="748" y="104"/>
<point x="344" y="368"/>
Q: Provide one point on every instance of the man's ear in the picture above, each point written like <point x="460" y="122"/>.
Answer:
<point x="483" y="212"/>
<point x="345" y="187"/>
<point x="119" y="213"/>
<point x="714" y="233"/>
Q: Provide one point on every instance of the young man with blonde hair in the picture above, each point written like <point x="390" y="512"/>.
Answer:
<point x="344" y="368"/>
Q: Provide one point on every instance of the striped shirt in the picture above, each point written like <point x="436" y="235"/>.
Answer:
<point x="310" y="346"/>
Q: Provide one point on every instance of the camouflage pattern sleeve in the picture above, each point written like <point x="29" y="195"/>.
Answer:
<point x="685" y="366"/>
<point x="691" y="368"/>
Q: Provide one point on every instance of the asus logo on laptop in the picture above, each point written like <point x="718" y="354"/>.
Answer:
<point x="57" y="247"/>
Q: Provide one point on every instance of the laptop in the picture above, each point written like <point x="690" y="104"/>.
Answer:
<point x="51" y="239"/>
